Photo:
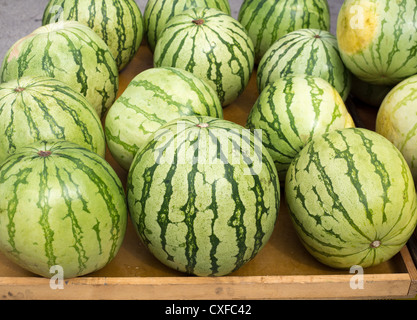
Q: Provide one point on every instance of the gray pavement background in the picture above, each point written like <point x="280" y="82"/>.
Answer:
<point x="18" y="18"/>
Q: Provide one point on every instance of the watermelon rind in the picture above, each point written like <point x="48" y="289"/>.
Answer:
<point x="118" y="22"/>
<point x="377" y="39"/>
<point x="305" y="51"/>
<point x="158" y="12"/>
<point x="352" y="198"/>
<point x="268" y="20"/>
<point x="293" y="110"/>
<point x="213" y="46"/>
<point x="203" y="195"/>
<point x="153" y="98"/>
<point x="62" y="206"/>
<point x="68" y="51"/>
<point x="397" y="120"/>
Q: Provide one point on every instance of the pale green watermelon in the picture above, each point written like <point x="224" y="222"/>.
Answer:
<point x="211" y="45"/>
<point x="68" y="51"/>
<point x="397" y="120"/>
<point x="158" y="12"/>
<point x="153" y="98"/>
<point x="306" y="51"/>
<point x="203" y="195"/>
<point x="291" y="111"/>
<point x="269" y="20"/>
<point x="352" y="198"/>
<point x="377" y="39"/>
<point x="118" y="22"/>
<point x="62" y="205"/>
<point x="40" y="108"/>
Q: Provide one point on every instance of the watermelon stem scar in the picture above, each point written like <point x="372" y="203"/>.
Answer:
<point x="203" y="125"/>
<point x="198" y="22"/>
<point x="44" y="154"/>
<point x="375" y="244"/>
<point x="19" y="89"/>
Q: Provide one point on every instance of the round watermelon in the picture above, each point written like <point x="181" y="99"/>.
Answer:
<point x="291" y="111"/>
<point x="397" y="120"/>
<point x="41" y="108"/>
<point x="268" y="20"/>
<point x="203" y="195"/>
<point x="68" y="51"/>
<point x="211" y="45"/>
<point x="158" y="12"/>
<point x="62" y="205"/>
<point x="377" y="39"/>
<point x="153" y="98"/>
<point x="306" y="51"/>
<point x="118" y="22"/>
<point x="352" y="198"/>
<point x="371" y="94"/>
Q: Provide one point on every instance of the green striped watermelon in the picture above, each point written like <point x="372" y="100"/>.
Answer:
<point x="203" y="195"/>
<point x="153" y="98"/>
<point x="210" y="44"/>
<point x="41" y="108"/>
<point x="377" y="39"/>
<point x="158" y="12"/>
<point x="397" y="120"/>
<point x="62" y="205"/>
<point x="352" y="198"/>
<point x="305" y="51"/>
<point x="68" y="51"/>
<point x="118" y="22"/>
<point x="291" y="111"/>
<point x="371" y="94"/>
<point x="268" y="20"/>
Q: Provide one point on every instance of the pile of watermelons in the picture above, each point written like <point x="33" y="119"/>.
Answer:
<point x="204" y="193"/>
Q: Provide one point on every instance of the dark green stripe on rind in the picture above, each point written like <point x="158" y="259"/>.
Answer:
<point x="267" y="21"/>
<point x="342" y="191"/>
<point x="307" y="51"/>
<point x="158" y="12"/>
<point x="71" y="53"/>
<point x="46" y="108"/>
<point x="58" y="191"/>
<point x="388" y="53"/>
<point x="220" y="47"/>
<point x="200" y="249"/>
<point x="119" y="23"/>
<point x="153" y="98"/>
<point x="291" y="111"/>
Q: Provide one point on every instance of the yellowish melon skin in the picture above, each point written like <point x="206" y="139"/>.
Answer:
<point x="397" y="120"/>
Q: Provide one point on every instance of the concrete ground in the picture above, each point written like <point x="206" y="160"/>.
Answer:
<point x="18" y="18"/>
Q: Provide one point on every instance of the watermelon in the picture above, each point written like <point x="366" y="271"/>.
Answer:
<point x="62" y="205"/>
<point x="158" y="12"/>
<point x="305" y="51"/>
<point x="213" y="46"/>
<point x="41" y="108"/>
<point x="371" y="94"/>
<point x="397" y="120"/>
<point x="268" y="20"/>
<point x="377" y="39"/>
<point x="203" y="195"/>
<point x="153" y="98"/>
<point x="352" y="198"/>
<point x="293" y="110"/>
<point x="68" y="51"/>
<point x="118" y="22"/>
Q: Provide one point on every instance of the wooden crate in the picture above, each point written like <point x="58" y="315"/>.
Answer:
<point x="282" y="270"/>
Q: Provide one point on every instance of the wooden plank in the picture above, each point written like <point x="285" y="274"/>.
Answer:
<point x="411" y="269"/>
<point x="196" y="288"/>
